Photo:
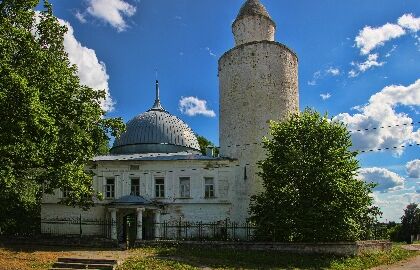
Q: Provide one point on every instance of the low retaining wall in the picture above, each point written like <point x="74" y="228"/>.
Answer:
<point x="92" y="242"/>
<point x="338" y="248"/>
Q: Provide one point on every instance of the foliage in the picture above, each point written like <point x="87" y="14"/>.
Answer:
<point x="50" y="124"/>
<point x="410" y="222"/>
<point x="394" y="233"/>
<point x="312" y="192"/>
<point x="204" y="143"/>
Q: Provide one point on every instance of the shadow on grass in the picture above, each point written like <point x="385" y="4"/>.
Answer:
<point x="239" y="259"/>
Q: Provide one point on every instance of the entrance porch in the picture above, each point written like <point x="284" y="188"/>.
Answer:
<point x="133" y="218"/>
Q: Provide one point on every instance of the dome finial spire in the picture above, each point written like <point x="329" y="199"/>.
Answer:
<point x="157" y="106"/>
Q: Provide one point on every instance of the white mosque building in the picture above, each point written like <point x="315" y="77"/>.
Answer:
<point x="155" y="171"/>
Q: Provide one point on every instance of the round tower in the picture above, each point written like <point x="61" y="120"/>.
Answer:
<point x="258" y="82"/>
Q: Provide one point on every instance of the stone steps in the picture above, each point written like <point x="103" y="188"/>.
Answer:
<point x="92" y="264"/>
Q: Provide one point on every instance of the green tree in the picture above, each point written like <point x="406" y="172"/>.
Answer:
<point x="312" y="192"/>
<point x="204" y="143"/>
<point x="410" y="222"/>
<point x="50" y="124"/>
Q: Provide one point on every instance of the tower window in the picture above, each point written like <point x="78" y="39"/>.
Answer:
<point x="110" y="188"/>
<point x="135" y="186"/>
<point x="184" y="187"/>
<point x="208" y="187"/>
<point x="160" y="188"/>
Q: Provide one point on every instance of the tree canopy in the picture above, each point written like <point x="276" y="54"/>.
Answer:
<point x="204" y="143"/>
<point x="410" y="221"/>
<point x="50" y="124"/>
<point x="312" y="192"/>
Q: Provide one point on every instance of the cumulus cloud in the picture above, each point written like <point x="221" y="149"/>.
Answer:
<point x="325" y="96"/>
<point x="91" y="71"/>
<point x="380" y="111"/>
<point x="409" y="22"/>
<point x="193" y="106"/>
<point x="370" y="37"/>
<point x="385" y="179"/>
<point x="113" y="12"/>
<point x="413" y="168"/>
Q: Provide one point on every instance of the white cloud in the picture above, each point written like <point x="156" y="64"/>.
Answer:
<point x="333" y="71"/>
<point x="372" y="61"/>
<point x="385" y="179"/>
<point x="413" y="168"/>
<point x="193" y="106"/>
<point x="317" y="75"/>
<point x="380" y="111"/>
<point x="353" y="73"/>
<point x="393" y="203"/>
<point x="369" y="38"/>
<point x="325" y="96"/>
<point x="80" y="16"/>
<point x="91" y="71"/>
<point x="409" y="22"/>
<point x="113" y="12"/>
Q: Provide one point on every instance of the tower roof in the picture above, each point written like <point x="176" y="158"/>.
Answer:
<point x="252" y="8"/>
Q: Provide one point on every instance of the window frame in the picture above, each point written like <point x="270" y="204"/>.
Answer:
<point x="160" y="188"/>
<point x="135" y="189"/>
<point x="109" y="188"/>
<point x="211" y="193"/>
<point x="181" y="185"/>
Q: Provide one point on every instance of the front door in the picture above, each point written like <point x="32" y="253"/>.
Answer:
<point x="129" y="229"/>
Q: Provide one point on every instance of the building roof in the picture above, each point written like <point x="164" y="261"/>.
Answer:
<point x="131" y="200"/>
<point x="156" y="131"/>
<point x="158" y="157"/>
<point x="253" y="8"/>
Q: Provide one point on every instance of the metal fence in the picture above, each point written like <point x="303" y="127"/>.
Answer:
<point x="168" y="230"/>
<point x="77" y="227"/>
<point x="200" y="231"/>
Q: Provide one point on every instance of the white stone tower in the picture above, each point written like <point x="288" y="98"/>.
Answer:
<point x="258" y="83"/>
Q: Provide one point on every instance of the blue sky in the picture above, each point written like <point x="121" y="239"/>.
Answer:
<point x="358" y="60"/>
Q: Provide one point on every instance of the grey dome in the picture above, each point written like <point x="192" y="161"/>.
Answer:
<point x="156" y="131"/>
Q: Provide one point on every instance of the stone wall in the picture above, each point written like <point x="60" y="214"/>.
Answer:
<point x="339" y="248"/>
<point x="253" y="28"/>
<point x="258" y="83"/>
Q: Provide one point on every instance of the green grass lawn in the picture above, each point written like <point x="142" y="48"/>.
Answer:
<point x="198" y="258"/>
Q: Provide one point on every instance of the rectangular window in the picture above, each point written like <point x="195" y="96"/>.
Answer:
<point x="184" y="187"/>
<point x="110" y="188"/>
<point x="134" y="167"/>
<point x="208" y="187"/>
<point x="160" y="188"/>
<point x="135" y="186"/>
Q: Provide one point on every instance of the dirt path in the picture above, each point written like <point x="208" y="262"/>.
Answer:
<point x="411" y="264"/>
<point x="39" y="257"/>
